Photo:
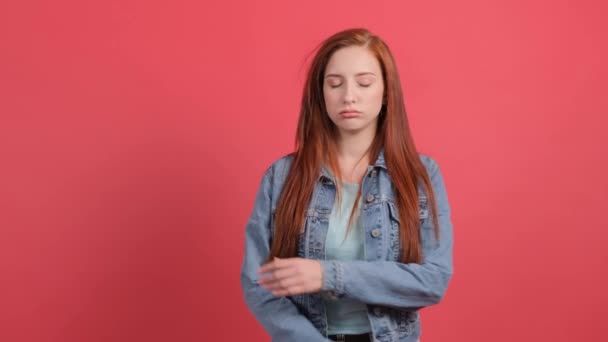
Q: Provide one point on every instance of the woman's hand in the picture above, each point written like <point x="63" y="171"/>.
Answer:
<point x="291" y="276"/>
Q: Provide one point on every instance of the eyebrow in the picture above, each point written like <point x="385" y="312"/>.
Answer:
<point x="359" y="74"/>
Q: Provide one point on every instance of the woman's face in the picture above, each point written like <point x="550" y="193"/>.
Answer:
<point x="353" y="82"/>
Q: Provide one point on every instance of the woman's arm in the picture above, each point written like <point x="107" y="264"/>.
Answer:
<point x="395" y="284"/>
<point x="278" y="315"/>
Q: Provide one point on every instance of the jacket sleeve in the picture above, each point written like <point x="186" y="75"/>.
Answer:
<point x="388" y="283"/>
<point x="278" y="315"/>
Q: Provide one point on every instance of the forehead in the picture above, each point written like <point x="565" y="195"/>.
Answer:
<point x="353" y="60"/>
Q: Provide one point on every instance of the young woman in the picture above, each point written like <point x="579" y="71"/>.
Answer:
<point x="350" y="235"/>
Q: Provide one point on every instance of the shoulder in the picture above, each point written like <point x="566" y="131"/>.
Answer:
<point x="279" y="167"/>
<point x="429" y="163"/>
<point x="437" y="181"/>
<point x="283" y="162"/>
<point x="433" y="171"/>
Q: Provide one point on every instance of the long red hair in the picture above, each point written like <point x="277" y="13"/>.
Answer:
<point x="316" y="145"/>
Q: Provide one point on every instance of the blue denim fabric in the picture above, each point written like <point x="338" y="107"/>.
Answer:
<point x="393" y="291"/>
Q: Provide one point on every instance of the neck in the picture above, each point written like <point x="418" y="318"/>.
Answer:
<point x="353" y="146"/>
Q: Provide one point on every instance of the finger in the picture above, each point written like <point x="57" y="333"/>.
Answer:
<point x="277" y="276"/>
<point x="275" y="264"/>
<point x="283" y="263"/>
<point x="283" y="273"/>
<point x="268" y="267"/>
<point x="282" y="283"/>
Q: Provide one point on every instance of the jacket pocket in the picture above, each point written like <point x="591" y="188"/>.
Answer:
<point x="423" y="212"/>
<point x="427" y="233"/>
<point x="395" y="224"/>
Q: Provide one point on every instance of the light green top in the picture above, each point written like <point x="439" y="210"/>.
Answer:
<point x="345" y="316"/>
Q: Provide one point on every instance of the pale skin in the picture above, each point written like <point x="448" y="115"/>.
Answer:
<point x="352" y="81"/>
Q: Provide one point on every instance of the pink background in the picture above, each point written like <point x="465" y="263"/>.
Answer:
<point x="133" y="136"/>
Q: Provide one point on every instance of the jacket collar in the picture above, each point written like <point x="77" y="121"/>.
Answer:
<point x="380" y="162"/>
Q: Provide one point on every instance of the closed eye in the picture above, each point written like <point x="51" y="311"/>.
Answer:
<point x="362" y="85"/>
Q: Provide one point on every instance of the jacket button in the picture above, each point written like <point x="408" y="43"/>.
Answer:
<point x="376" y="232"/>
<point x="370" y="198"/>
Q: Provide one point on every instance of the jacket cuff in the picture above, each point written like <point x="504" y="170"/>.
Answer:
<point x="333" y="278"/>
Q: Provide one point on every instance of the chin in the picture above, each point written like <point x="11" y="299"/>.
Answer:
<point x="352" y="128"/>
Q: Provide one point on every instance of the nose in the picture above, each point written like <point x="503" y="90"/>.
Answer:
<point x="349" y="94"/>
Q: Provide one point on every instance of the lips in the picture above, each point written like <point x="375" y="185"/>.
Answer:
<point x="350" y="114"/>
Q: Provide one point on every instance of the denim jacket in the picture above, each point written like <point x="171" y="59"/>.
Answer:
<point x="393" y="291"/>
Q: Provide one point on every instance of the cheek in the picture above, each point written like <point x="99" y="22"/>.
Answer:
<point x="328" y="95"/>
<point x="378" y="94"/>
<point x="330" y="100"/>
